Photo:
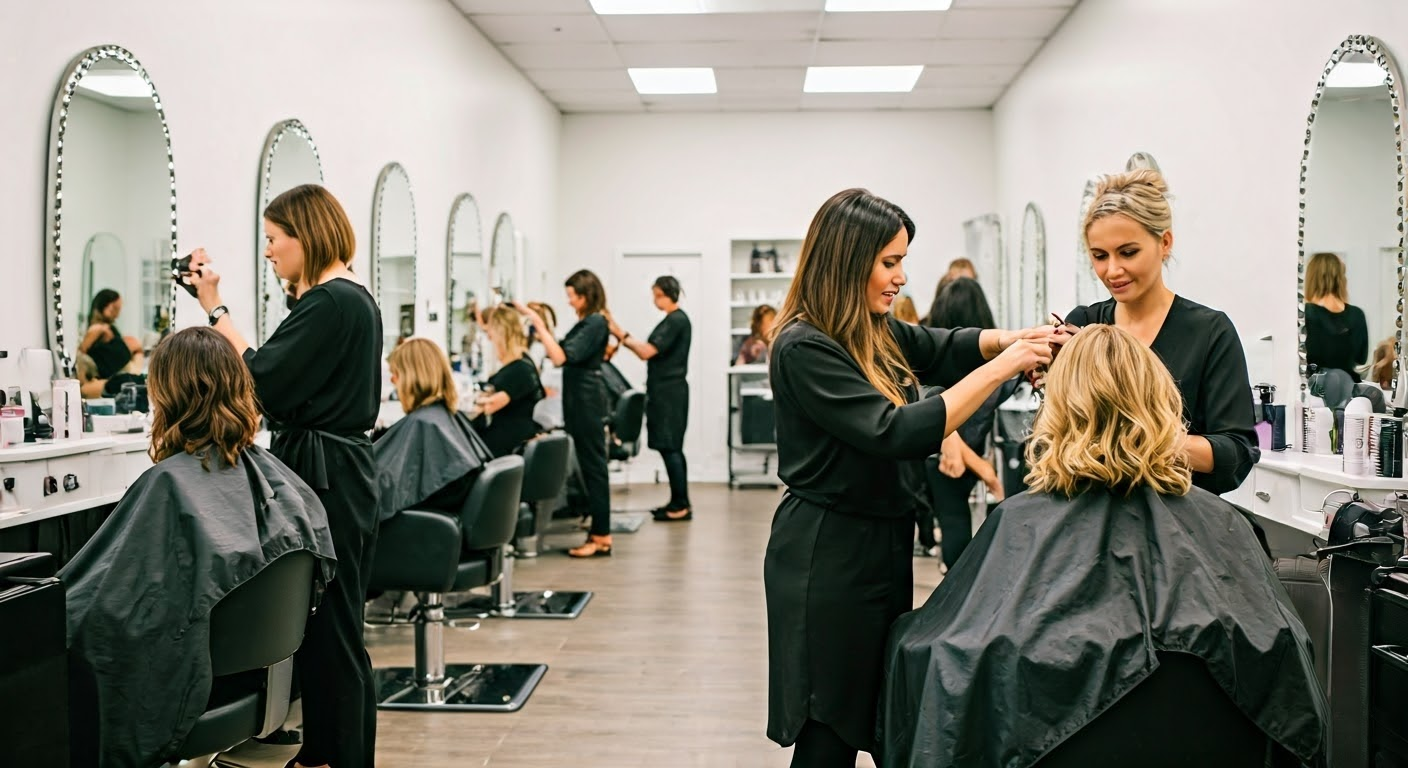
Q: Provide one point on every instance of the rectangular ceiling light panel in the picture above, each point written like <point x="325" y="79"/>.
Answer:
<point x="872" y="6"/>
<point x="646" y="7"/>
<point x="862" y="79"/>
<point x="664" y="80"/>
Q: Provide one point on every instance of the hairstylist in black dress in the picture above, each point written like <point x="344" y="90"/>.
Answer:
<point x="838" y="569"/>
<point x="110" y="350"/>
<point x="666" y="356"/>
<point x="584" y="409"/>
<point x="318" y="379"/>
<point x="1129" y="230"/>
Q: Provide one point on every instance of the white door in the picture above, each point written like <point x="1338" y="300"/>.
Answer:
<point x="629" y="296"/>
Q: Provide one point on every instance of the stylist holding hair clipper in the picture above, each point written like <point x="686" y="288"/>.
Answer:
<point x="318" y="379"/>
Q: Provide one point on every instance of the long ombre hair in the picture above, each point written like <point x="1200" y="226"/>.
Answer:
<point x="423" y="375"/>
<point x="1112" y="418"/>
<point x="833" y="271"/>
<point x="202" y="397"/>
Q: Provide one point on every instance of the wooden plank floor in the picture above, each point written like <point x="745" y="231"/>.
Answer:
<point x="667" y="666"/>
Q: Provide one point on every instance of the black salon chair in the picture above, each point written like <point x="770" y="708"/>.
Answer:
<point x="34" y="708"/>
<point x="1305" y="580"/>
<point x="430" y="553"/>
<point x="545" y="464"/>
<point x="1179" y="716"/>
<point x="624" y="427"/>
<point x="254" y="631"/>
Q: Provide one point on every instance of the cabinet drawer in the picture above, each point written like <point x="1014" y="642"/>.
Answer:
<point x="73" y="480"/>
<point x="23" y="485"/>
<point x="1277" y="496"/>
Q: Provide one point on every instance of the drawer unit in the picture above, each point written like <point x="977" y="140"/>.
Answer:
<point x="71" y="480"/>
<point x="1276" y="496"/>
<point x="22" y="485"/>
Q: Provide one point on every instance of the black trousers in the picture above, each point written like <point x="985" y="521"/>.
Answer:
<point x="678" y="472"/>
<point x="334" y="670"/>
<point x="818" y="746"/>
<point x="584" y="414"/>
<point x="950" y="497"/>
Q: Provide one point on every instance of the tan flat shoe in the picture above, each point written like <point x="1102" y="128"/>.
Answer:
<point x="596" y="546"/>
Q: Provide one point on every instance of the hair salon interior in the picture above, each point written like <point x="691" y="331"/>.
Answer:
<point x="352" y="353"/>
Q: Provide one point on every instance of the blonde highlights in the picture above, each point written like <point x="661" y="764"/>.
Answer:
<point x="837" y="259"/>
<point x="1325" y="276"/>
<point x="506" y="324"/>
<point x="202" y="396"/>
<point x="1141" y="195"/>
<point x="1112" y="418"/>
<point x="422" y="375"/>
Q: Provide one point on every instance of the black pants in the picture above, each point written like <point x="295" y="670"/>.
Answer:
<point x="334" y="671"/>
<point x="950" y="497"/>
<point x="584" y="415"/>
<point x="678" y="472"/>
<point x="818" y="746"/>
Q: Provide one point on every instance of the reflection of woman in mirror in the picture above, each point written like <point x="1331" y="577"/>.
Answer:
<point x="584" y="407"/>
<point x="1129" y="230"/>
<point x="505" y="418"/>
<point x="110" y="350"/>
<point x="754" y="349"/>
<point x="1336" y="333"/>
<point x="1381" y="369"/>
<point x="957" y="268"/>
<point x="317" y="380"/>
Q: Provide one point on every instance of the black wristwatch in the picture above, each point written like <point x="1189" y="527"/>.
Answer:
<point x="217" y="313"/>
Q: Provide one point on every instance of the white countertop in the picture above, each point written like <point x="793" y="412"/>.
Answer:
<point x="50" y="449"/>
<point x="1327" y="469"/>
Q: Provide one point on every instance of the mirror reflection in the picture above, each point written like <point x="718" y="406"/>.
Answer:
<point x="1089" y="290"/>
<point x="465" y="282"/>
<point x="503" y="261"/>
<point x="113" y="205"/>
<point x="982" y="239"/>
<point x="1032" y="264"/>
<point x="290" y="159"/>
<point x="1351" y="240"/>
<point x="394" y="254"/>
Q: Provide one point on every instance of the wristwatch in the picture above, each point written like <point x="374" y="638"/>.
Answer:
<point x="217" y="313"/>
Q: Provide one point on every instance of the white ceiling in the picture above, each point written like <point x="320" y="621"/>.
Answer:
<point x="971" y="52"/>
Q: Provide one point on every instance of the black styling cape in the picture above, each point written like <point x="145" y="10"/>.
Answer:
<point x="1056" y="610"/>
<point x="141" y="591"/>
<point x="424" y="452"/>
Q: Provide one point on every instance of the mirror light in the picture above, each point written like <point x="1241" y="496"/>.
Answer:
<point x="856" y="6"/>
<point x="645" y="7"/>
<point x="116" y="84"/>
<point x="862" y="79"/>
<point x="1356" y="74"/>
<point x="670" y="80"/>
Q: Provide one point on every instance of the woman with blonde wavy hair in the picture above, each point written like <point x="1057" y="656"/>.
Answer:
<point x="1071" y="592"/>
<point x="844" y="377"/>
<point x="1129" y="231"/>
<point x="213" y="511"/>
<point x="504" y="414"/>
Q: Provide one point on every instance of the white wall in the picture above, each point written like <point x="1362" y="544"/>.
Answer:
<point x="653" y="183"/>
<point x="374" y="81"/>
<point x="1218" y="92"/>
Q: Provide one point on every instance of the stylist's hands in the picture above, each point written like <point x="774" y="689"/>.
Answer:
<point x="1025" y="354"/>
<point x="951" y="456"/>
<point x="205" y="279"/>
<point x="532" y="316"/>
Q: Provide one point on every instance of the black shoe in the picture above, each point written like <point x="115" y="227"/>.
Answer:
<point x="666" y="518"/>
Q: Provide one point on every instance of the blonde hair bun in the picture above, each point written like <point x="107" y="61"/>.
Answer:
<point x="1140" y="195"/>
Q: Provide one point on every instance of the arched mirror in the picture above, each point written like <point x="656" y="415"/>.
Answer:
<point x="1032" y="264"/>
<point x="503" y="261"/>
<point x="1142" y="161"/>
<point x="1088" y="287"/>
<point x="465" y="281"/>
<point x="982" y="241"/>
<point x="290" y="159"/>
<point x="394" y="254"/>
<point x="111" y="217"/>
<point x="1351" y="213"/>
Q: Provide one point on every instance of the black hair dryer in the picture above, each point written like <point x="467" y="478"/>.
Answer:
<point x="180" y="270"/>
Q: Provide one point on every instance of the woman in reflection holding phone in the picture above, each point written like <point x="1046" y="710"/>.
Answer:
<point x="318" y="379"/>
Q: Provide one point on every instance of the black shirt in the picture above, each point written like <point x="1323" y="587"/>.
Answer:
<point x="839" y="440"/>
<point x="513" y="425"/>
<point x="1336" y="339"/>
<point x="1201" y="349"/>
<point x="321" y="370"/>
<point x="671" y="340"/>
<point x="110" y="356"/>
<point x="585" y="344"/>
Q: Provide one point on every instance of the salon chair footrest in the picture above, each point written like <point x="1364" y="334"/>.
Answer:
<point x="542" y="604"/>
<point x="466" y="688"/>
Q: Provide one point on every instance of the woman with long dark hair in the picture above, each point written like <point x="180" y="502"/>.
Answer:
<point x="960" y="465"/>
<point x="584" y="409"/>
<point x="103" y="342"/>
<point x="838" y="568"/>
<point x="318" y="379"/>
<point x="666" y="356"/>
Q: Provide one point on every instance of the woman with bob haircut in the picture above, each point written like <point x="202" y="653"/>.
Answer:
<point x="430" y="458"/>
<point x="844" y="377"/>
<point x="1068" y="594"/>
<point x="318" y="379"/>
<point x="211" y="514"/>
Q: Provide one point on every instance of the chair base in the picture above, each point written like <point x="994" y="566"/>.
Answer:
<point x="543" y="604"/>
<point x="467" y="688"/>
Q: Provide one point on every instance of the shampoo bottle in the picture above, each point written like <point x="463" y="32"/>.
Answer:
<point x="1354" y="438"/>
